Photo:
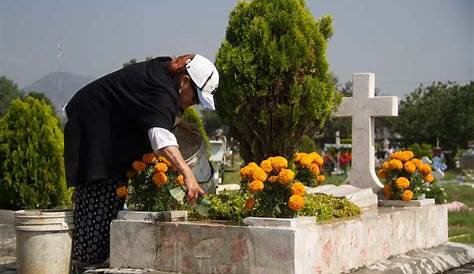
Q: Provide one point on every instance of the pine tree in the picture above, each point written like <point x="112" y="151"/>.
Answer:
<point x="31" y="157"/>
<point x="275" y="81"/>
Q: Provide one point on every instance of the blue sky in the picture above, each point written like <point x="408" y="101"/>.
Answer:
<point x="403" y="42"/>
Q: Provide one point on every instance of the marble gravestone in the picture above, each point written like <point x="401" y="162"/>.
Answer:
<point x="363" y="107"/>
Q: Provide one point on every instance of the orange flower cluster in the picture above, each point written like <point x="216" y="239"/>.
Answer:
<point x="312" y="162"/>
<point x="402" y="174"/>
<point x="161" y="167"/>
<point x="121" y="192"/>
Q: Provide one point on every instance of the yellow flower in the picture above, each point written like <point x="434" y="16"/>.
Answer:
<point x="298" y="156"/>
<point x="278" y="163"/>
<point x="131" y="174"/>
<point x="396" y="155"/>
<point x="249" y="203"/>
<point x="296" y="202"/>
<point x="387" y="191"/>
<point x="180" y="180"/>
<point x="402" y="182"/>
<point x="386" y="165"/>
<point x="382" y="173"/>
<point x="139" y="166"/>
<point x="314" y="169"/>
<point x="410" y="167"/>
<point x="273" y="179"/>
<point x="149" y="158"/>
<point x="407" y="155"/>
<point x="407" y="195"/>
<point x="255" y="186"/>
<point x="286" y="176"/>
<point x="161" y="167"/>
<point x="316" y="158"/>
<point x="246" y="171"/>
<point x="165" y="161"/>
<point x="121" y="192"/>
<point x="395" y="164"/>
<point x="425" y="169"/>
<point x="321" y="178"/>
<point x="306" y="161"/>
<point x="159" y="179"/>
<point x="417" y="162"/>
<point x="428" y="177"/>
<point x="266" y="165"/>
<point x="259" y="174"/>
<point x="298" y="189"/>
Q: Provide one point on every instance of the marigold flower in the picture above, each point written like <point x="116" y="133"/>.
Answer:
<point x="165" y="161"/>
<point x="407" y="155"/>
<point x="159" y="179"/>
<point x="272" y="179"/>
<point x="246" y="171"/>
<point x="417" y="162"/>
<point x="402" y="182"/>
<point x="278" y="163"/>
<point x="298" y="156"/>
<point x="387" y="191"/>
<point x="410" y="167"/>
<point x="396" y="155"/>
<point x="321" y="178"/>
<point x="130" y="174"/>
<point x="428" y="177"/>
<point x="121" y="192"/>
<point x="286" y="176"/>
<point x="296" y="202"/>
<point x="316" y="158"/>
<point x="180" y="180"/>
<point x="298" y="189"/>
<point x="249" y="203"/>
<point x="259" y="174"/>
<point x="382" y="173"/>
<point x="386" y="165"/>
<point x="407" y="195"/>
<point x="149" y="158"/>
<point x="139" y="166"/>
<point x="314" y="169"/>
<point x="306" y="161"/>
<point x="255" y="186"/>
<point x="425" y="169"/>
<point x="266" y="165"/>
<point x="395" y="164"/>
<point x="161" y="167"/>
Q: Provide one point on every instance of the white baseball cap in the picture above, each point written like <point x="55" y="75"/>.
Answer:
<point x="206" y="78"/>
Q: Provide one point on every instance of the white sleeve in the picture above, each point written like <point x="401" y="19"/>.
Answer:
<point x="160" y="138"/>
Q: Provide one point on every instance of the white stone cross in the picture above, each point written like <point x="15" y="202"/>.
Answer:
<point x="363" y="107"/>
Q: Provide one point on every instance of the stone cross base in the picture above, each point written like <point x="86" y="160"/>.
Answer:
<point x="279" y="246"/>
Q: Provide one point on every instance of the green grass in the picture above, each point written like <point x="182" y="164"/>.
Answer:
<point x="461" y="224"/>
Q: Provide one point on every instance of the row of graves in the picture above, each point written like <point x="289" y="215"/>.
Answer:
<point x="389" y="231"/>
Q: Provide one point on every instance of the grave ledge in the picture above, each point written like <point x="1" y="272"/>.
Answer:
<point x="412" y="203"/>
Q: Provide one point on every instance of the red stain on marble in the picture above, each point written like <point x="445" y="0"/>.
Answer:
<point x="239" y="248"/>
<point x="364" y="255"/>
<point x="183" y="236"/>
<point x="327" y="252"/>
<point x="186" y="264"/>
<point x="279" y="254"/>
<point x="223" y="268"/>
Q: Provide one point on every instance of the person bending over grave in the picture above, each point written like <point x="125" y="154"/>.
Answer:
<point x="116" y="119"/>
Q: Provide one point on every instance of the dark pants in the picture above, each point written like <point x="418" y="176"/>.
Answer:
<point x="96" y="205"/>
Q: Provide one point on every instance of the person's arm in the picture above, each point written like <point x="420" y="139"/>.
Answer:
<point x="164" y="143"/>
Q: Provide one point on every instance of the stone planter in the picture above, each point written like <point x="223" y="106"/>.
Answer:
<point x="412" y="203"/>
<point x="43" y="241"/>
<point x="277" y="246"/>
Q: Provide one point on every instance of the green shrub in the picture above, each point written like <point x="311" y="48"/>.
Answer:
<point x="275" y="81"/>
<point x="31" y="157"/>
<point x="421" y="150"/>
<point x="327" y="208"/>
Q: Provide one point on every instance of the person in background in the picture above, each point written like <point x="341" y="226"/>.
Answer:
<point x="116" y="119"/>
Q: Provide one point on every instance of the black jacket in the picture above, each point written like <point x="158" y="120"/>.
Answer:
<point x="109" y="118"/>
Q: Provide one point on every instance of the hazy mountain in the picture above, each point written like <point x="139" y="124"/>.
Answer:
<point x="59" y="87"/>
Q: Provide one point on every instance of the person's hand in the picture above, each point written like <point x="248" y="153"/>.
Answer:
<point x="194" y="191"/>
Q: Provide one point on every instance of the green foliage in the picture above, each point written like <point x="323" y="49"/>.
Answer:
<point x="275" y="82"/>
<point x="439" y="111"/>
<point x="436" y="192"/>
<point x="8" y="91"/>
<point x="306" y="144"/>
<point x="191" y="116"/>
<point x="43" y="97"/>
<point x="327" y="208"/>
<point x="225" y="206"/>
<point x="212" y="120"/>
<point x="421" y="150"/>
<point x="31" y="157"/>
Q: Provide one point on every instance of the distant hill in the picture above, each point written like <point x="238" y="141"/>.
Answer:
<point x="49" y="85"/>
